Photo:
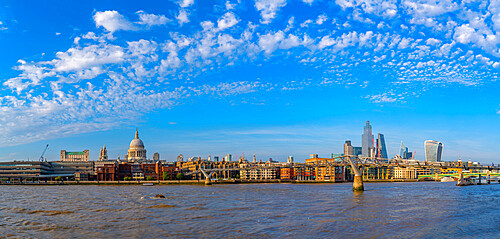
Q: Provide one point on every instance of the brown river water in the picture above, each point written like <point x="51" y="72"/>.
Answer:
<point x="384" y="210"/>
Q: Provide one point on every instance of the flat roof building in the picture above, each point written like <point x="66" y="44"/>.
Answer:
<point x="75" y="156"/>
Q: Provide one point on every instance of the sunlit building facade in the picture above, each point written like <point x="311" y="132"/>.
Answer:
<point x="433" y="150"/>
<point x="367" y="140"/>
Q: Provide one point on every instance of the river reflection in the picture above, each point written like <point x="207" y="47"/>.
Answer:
<point x="421" y="210"/>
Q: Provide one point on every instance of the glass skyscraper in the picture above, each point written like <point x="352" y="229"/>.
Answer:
<point x="381" y="150"/>
<point x="367" y="140"/>
<point x="403" y="150"/>
<point x="433" y="150"/>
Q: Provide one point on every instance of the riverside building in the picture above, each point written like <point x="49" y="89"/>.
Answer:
<point x="75" y="156"/>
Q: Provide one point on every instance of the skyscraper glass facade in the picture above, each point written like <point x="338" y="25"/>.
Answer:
<point x="433" y="150"/>
<point x="381" y="149"/>
<point x="403" y="151"/>
<point x="367" y="140"/>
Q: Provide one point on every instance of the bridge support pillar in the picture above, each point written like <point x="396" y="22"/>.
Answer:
<point x="208" y="177"/>
<point x="357" y="186"/>
<point x="208" y="181"/>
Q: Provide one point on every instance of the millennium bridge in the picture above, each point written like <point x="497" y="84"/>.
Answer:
<point x="358" y="164"/>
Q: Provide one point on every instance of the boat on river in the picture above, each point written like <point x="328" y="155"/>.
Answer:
<point x="472" y="180"/>
<point x="447" y="179"/>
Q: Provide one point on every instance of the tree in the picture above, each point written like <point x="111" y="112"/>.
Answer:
<point x="127" y="178"/>
<point x="166" y="176"/>
<point x="149" y="178"/>
<point x="58" y="178"/>
<point x="179" y="176"/>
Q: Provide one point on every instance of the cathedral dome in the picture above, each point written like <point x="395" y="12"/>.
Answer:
<point x="136" y="143"/>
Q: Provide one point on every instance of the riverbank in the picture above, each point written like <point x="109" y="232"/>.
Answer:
<point x="196" y="182"/>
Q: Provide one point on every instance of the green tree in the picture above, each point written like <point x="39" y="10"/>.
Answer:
<point x="58" y="178"/>
<point x="166" y="176"/>
<point x="149" y="178"/>
<point x="179" y="176"/>
<point x="127" y="178"/>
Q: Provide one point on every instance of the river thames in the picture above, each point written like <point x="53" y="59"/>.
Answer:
<point x="384" y="210"/>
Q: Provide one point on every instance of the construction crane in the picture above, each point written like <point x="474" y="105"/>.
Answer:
<point x="41" y="157"/>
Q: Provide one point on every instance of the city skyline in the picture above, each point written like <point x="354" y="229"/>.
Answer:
<point x="270" y="77"/>
<point x="137" y="142"/>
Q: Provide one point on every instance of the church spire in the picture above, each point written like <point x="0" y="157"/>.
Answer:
<point x="136" y="133"/>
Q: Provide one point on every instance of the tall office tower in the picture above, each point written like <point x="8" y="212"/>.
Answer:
<point x="289" y="159"/>
<point x="403" y="151"/>
<point x="381" y="149"/>
<point x="367" y="140"/>
<point x="433" y="150"/>
<point x="228" y="158"/>
<point x="348" y="148"/>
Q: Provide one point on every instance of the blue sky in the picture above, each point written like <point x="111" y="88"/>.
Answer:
<point x="270" y="77"/>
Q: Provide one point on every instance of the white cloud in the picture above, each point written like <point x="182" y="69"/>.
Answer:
<point x="404" y="43"/>
<point x="429" y="8"/>
<point x="465" y="34"/>
<point x="279" y="40"/>
<point x="321" y="19"/>
<point x="268" y="9"/>
<point x="151" y="19"/>
<point x="386" y="8"/>
<point x="32" y="74"/>
<point x="383" y="98"/>
<point x="306" y="23"/>
<point x="326" y="41"/>
<point x="112" y="21"/>
<point x="182" y="17"/>
<point x="75" y="59"/>
<point x="229" y="5"/>
<point x="308" y="1"/>
<point x="227" y="20"/>
<point x="186" y="3"/>
<point x="432" y="42"/>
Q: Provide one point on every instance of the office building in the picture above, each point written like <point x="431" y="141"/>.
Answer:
<point x="348" y="148"/>
<point x="381" y="149"/>
<point x="357" y="151"/>
<point x="433" y="151"/>
<point x="403" y="152"/>
<point x="367" y="140"/>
